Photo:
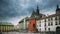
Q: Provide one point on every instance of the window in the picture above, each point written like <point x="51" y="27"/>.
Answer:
<point x="40" y="25"/>
<point x="45" y="29"/>
<point x="48" y="19"/>
<point x="34" y="25"/>
<point x="59" y="22"/>
<point x="49" y="29"/>
<point x="45" y="20"/>
<point x="30" y="22"/>
<point x="51" y="19"/>
<point x="59" y="17"/>
<point x="39" y="21"/>
<point x="56" y="23"/>
<point x="48" y="24"/>
<point x="51" y="23"/>
<point x="40" y="29"/>
<point x="55" y="18"/>
<point x="45" y="24"/>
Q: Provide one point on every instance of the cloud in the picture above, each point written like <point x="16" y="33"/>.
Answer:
<point x="13" y="10"/>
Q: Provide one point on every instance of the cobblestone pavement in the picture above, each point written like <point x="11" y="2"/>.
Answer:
<point x="17" y="33"/>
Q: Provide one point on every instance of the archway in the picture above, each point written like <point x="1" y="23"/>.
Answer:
<point x="57" y="30"/>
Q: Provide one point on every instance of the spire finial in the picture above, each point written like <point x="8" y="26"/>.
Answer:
<point x="37" y="6"/>
<point x="37" y="10"/>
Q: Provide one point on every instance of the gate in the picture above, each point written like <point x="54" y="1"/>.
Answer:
<point x="58" y="30"/>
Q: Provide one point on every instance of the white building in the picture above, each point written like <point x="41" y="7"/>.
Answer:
<point x="49" y="23"/>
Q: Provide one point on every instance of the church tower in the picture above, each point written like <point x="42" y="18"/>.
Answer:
<point x="37" y="10"/>
<point x="36" y="14"/>
<point x="57" y="10"/>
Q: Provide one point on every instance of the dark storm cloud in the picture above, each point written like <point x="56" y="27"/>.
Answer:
<point x="46" y="4"/>
<point x="18" y="8"/>
<point x="9" y="8"/>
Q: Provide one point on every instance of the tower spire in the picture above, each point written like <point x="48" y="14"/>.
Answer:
<point x="37" y="10"/>
<point x="58" y="9"/>
<point x="57" y="6"/>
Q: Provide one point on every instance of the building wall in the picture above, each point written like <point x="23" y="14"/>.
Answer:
<point x="32" y="28"/>
<point x="23" y="25"/>
<point x="52" y="27"/>
<point x="6" y="28"/>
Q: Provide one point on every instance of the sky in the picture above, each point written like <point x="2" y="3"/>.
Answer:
<point x="15" y="10"/>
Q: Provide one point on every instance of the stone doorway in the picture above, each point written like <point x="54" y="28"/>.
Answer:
<point x="58" y="30"/>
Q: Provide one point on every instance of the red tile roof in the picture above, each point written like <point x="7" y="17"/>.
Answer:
<point x="53" y="15"/>
<point x="23" y="19"/>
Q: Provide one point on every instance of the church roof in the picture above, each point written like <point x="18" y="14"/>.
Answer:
<point x="36" y="14"/>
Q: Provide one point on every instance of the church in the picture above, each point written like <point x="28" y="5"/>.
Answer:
<point x="32" y="21"/>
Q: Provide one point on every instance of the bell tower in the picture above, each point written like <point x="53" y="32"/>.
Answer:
<point x="57" y="9"/>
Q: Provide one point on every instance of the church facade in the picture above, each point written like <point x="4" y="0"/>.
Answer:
<point x="32" y="21"/>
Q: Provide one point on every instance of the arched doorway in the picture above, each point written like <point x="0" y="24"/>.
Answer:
<point x="57" y="30"/>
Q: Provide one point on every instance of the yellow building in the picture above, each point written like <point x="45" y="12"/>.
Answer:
<point x="6" y="27"/>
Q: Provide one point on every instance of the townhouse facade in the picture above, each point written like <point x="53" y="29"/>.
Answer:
<point x="49" y="23"/>
<point x="32" y="25"/>
<point x="6" y="27"/>
<point x="23" y="25"/>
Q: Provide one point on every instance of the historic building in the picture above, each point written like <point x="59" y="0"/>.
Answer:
<point x="41" y="23"/>
<point x="36" y="14"/>
<point x="23" y="24"/>
<point x="6" y="27"/>
<point x="32" y="25"/>
<point x="32" y="21"/>
<point x="49" y="23"/>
